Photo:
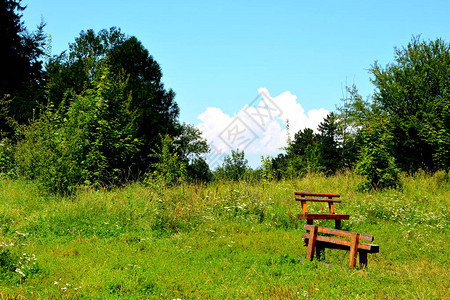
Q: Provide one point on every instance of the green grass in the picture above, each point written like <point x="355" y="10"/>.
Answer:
<point x="225" y="240"/>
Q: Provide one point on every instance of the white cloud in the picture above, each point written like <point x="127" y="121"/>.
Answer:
<point x="259" y="127"/>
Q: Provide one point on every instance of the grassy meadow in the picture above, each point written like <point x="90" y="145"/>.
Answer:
<point x="223" y="240"/>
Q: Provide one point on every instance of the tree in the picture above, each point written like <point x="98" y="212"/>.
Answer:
<point x="21" y="67"/>
<point x="328" y="145"/>
<point x="414" y="91"/>
<point x="155" y="108"/>
<point x="199" y="171"/>
<point x="234" y="166"/>
<point x="301" y="155"/>
<point x="189" y="142"/>
<point x="351" y="118"/>
<point x="302" y="139"/>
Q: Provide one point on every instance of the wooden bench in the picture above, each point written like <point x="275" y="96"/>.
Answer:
<point x="315" y="242"/>
<point x="305" y="197"/>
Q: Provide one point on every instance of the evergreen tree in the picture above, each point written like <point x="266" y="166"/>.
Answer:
<point x="328" y="146"/>
<point x="21" y="67"/>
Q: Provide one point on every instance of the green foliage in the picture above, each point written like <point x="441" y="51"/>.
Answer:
<point x="311" y="152"/>
<point x="21" y="66"/>
<point x="234" y="166"/>
<point x="301" y="155"/>
<point x="328" y="152"/>
<point x="376" y="162"/>
<point x="199" y="171"/>
<point x="16" y="268"/>
<point x="89" y="142"/>
<point x="7" y="163"/>
<point x="267" y="170"/>
<point x="437" y="132"/>
<point x="351" y="117"/>
<point x="414" y="91"/>
<point x="155" y="111"/>
<point x="170" y="168"/>
<point x="189" y="142"/>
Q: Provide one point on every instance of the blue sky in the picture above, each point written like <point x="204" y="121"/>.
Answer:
<point x="221" y="54"/>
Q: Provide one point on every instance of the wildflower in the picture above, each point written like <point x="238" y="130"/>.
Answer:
<point x="21" y="233"/>
<point x="20" y="272"/>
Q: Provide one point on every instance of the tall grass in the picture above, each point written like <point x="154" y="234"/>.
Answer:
<point x="222" y="240"/>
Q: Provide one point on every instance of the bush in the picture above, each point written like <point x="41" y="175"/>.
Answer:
<point x="234" y="166"/>
<point x="6" y="157"/>
<point x="198" y="171"/>
<point x="170" y="169"/>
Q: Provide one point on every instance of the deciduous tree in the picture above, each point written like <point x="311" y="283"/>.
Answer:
<point x="414" y="91"/>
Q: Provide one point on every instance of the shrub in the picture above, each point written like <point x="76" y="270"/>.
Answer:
<point x="170" y="169"/>
<point x="198" y="170"/>
<point x="6" y="157"/>
<point x="234" y="166"/>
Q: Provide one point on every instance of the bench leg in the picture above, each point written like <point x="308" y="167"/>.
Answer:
<point x="337" y="224"/>
<point x="363" y="259"/>
<point x="320" y="253"/>
<point x="309" y="222"/>
<point x="311" y="243"/>
<point x="353" y="249"/>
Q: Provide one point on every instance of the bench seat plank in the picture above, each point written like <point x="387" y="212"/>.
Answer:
<point x="317" y="194"/>
<point x="323" y="217"/>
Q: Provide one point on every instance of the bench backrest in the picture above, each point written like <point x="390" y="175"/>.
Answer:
<point x="339" y="232"/>
<point x="304" y="194"/>
<point x="304" y="197"/>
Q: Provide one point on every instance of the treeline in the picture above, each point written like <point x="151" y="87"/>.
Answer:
<point x="402" y="127"/>
<point x="98" y="114"/>
<point x="94" y="114"/>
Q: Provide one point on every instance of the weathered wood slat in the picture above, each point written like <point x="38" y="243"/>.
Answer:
<point x="318" y="200"/>
<point x="371" y="249"/>
<point x="317" y="194"/>
<point x="326" y="239"/>
<point x="323" y="217"/>
<point x="339" y="232"/>
<point x="312" y="237"/>
<point x="354" y="245"/>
